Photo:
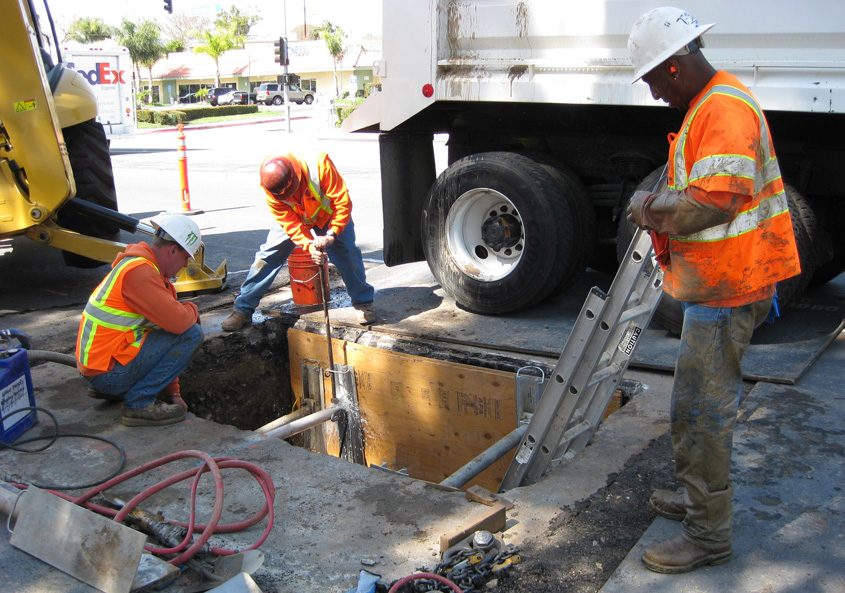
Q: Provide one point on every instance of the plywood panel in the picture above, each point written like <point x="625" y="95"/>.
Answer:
<point x="426" y="415"/>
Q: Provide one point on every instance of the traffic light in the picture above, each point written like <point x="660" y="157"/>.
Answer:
<point x="281" y="51"/>
<point x="168" y="6"/>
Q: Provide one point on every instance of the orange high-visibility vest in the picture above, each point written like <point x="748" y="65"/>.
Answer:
<point x="724" y="145"/>
<point x="108" y="330"/>
<point x="316" y="208"/>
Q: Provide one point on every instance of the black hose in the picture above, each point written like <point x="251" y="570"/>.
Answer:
<point x="50" y="356"/>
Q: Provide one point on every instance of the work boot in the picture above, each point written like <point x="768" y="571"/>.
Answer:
<point x="157" y="413"/>
<point x="235" y="321"/>
<point x="174" y="398"/>
<point x="679" y="555"/>
<point x="668" y="503"/>
<point x="367" y="313"/>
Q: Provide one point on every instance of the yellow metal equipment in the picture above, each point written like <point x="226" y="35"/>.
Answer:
<point x="42" y="106"/>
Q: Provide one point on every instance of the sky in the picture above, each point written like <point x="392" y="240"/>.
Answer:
<point x="356" y="17"/>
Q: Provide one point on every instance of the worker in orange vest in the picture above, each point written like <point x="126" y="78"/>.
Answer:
<point x="722" y="232"/>
<point x="135" y="338"/>
<point x="311" y="209"/>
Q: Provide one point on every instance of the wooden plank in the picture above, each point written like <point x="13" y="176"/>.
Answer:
<point x="303" y="346"/>
<point x="493" y="520"/>
<point x="428" y="415"/>
<point x="431" y="416"/>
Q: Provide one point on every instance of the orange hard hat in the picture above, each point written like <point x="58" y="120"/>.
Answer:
<point x="280" y="175"/>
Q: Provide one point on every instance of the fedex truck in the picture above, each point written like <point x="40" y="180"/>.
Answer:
<point x="109" y="70"/>
<point x="548" y="138"/>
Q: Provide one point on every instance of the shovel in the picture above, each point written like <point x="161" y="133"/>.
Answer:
<point x="79" y="542"/>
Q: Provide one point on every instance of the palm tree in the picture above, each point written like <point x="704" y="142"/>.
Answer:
<point x="144" y="44"/>
<point x="88" y="30"/>
<point x="216" y="44"/>
<point x="334" y="37"/>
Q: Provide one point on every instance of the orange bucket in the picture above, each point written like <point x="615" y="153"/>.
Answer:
<point x="304" y="278"/>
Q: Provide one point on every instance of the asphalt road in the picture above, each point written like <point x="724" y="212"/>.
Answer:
<point x="222" y="162"/>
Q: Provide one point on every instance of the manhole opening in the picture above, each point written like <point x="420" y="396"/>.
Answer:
<point x="424" y="410"/>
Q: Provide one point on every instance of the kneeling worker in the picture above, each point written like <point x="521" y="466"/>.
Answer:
<point x="311" y="208"/>
<point x="135" y="338"/>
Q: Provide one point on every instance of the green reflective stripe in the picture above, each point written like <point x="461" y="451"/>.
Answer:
<point x="317" y="192"/>
<point x="97" y="314"/>
<point x="682" y="180"/>
<point x="745" y="222"/>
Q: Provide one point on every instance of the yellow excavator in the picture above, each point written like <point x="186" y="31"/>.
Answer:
<point x="56" y="180"/>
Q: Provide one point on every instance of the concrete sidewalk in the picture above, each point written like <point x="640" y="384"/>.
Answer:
<point x="789" y="503"/>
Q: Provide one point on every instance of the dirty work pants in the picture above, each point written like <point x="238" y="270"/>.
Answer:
<point x="705" y="399"/>
<point x="163" y="357"/>
<point x="273" y="254"/>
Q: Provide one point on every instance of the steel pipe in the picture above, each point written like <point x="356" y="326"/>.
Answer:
<point x="303" y="424"/>
<point x="486" y="458"/>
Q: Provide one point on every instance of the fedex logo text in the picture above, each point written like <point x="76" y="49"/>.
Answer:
<point x="103" y="74"/>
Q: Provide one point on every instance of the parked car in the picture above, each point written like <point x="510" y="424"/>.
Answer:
<point x="226" y="98"/>
<point x="270" y="93"/>
<point x="244" y="98"/>
<point x="215" y="92"/>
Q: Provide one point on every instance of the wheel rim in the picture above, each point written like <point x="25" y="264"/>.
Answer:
<point x="484" y="234"/>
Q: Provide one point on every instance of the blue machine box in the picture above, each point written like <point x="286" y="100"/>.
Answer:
<point x="16" y="396"/>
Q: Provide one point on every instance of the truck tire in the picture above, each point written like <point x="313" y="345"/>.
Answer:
<point x="499" y="233"/>
<point x="669" y="314"/>
<point x="570" y="185"/>
<point x="309" y="99"/>
<point x="88" y="152"/>
<point x="277" y="100"/>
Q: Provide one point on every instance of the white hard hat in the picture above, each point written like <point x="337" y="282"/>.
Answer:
<point x="178" y="228"/>
<point x="659" y="34"/>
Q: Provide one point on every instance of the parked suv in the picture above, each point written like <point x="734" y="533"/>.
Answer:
<point x="270" y="93"/>
<point x="215" y="92"/>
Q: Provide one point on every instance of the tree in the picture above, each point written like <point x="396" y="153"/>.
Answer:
<point x="237" y="23"/>
<point x="334" y="38"/>
<point x="215" y="45"/>
<point x="88" y="30"/>
<point x="143" y="40"/>
<point x="183" y="29"/>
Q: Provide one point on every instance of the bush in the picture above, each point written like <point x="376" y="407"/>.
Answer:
<point x="171" y="117"/>
<point x="343" y="107"/>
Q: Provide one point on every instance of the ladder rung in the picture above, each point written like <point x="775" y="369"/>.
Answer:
<point x="602" y="374"/>
<point x="575" y="431"/>
<point x="630" y="314"/>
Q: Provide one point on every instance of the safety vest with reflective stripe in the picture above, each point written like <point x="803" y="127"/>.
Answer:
<point x="108" y="329"/>
<point x="316" y="207"/>
<point x="757" y="248"/>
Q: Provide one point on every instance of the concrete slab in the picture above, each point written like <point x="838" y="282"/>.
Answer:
<point x="789" y="506"/>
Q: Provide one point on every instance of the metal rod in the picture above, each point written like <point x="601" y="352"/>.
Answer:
<point x="303" y="424"/>
<point x="286" y="419"/>
<point x="486" y="458"/>
<point x="324" y="286"/>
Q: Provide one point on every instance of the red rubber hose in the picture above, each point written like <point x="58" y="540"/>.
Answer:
<point x="186" y="549"/>
<point x="424" y="575"/>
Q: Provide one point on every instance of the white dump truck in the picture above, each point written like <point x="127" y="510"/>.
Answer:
<point x="548" y="137"/>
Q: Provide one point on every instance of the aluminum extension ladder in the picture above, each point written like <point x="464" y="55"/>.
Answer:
<point x="590" y="366"/>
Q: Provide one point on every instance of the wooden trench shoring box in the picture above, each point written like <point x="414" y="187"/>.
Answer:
<point x="429" y="416"/>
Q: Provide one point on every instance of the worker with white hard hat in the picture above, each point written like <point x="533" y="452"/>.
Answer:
<point x="722" y="233"/>
<point x="135" y="338"/>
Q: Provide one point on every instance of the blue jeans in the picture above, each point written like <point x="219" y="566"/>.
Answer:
<point x="705" y="400"/>
<point x="162" y="358"/>
<point x="273" y="254"/>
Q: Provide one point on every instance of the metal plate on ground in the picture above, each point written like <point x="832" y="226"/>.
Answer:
<point x="87" y="546"/>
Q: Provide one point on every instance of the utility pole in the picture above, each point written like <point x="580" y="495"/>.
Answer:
<point x="286" y="60"/>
